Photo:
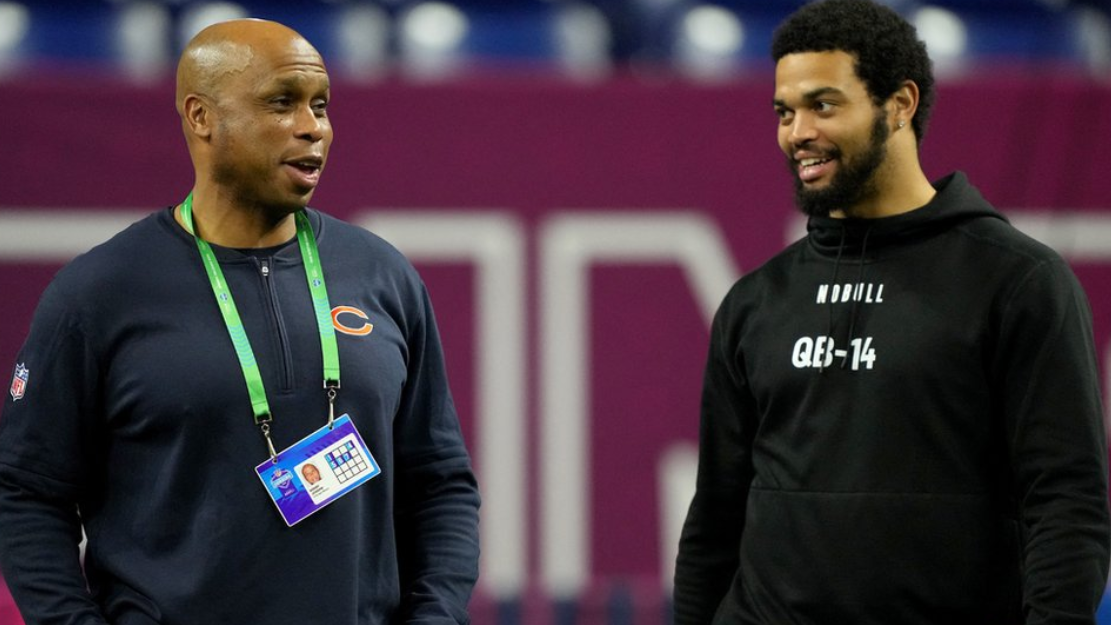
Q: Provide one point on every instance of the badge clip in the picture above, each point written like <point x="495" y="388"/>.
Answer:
<point x="332" y="388"/>
<point x="265" y="427"/>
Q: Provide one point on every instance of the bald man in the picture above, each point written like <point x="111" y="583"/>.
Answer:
<point x="175" y="376"/>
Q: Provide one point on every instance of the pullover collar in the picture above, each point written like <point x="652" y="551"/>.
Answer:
<point x="956" y="201"/>
<point x="284" y="253"/>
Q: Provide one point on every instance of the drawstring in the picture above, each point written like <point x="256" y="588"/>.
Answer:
<point x="858" y="285"/>
<point x="829" y="307"/>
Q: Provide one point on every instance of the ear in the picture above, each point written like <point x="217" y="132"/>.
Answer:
<point x="904" y="103"/>
<point x="196" y="112"/>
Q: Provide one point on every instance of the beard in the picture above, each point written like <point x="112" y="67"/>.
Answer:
<point x="851" y="184"/>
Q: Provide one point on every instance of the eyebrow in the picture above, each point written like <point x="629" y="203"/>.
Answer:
<point x="296" y="81"/>
<point x="812" y="95"/>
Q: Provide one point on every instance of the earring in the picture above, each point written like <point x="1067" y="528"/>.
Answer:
<point x="902" y="123"/>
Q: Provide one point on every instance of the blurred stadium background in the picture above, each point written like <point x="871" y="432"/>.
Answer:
<point x="579" y="182"/>
<point x="585" y="39"/>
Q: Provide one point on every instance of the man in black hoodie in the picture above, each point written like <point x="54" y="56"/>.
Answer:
<point x="901" y="419"/>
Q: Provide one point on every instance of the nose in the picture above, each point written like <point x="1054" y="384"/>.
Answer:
<point x="802" y="129"/>
<point x="309" y="126"/>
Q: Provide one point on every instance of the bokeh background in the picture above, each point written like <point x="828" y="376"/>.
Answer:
<point x="579" y="183"/>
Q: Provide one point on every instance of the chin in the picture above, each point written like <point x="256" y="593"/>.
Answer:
<point x="305" y="197"/>
<point x="279" y="208"/>
<point x="296" y="201"/>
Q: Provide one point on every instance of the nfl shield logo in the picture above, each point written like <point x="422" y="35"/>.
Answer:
<point x="19" y="382"/>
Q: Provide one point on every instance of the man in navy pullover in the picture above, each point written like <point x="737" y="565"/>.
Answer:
<point x="131" y="419"/>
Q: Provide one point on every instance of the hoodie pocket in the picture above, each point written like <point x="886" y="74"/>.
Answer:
<point x="866" y="557"/>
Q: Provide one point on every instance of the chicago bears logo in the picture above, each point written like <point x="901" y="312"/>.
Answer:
<point x="342" y="317"/>
<point x="19" y="382"/>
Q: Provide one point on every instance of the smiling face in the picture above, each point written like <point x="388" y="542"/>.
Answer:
<point x="271" y="134"/>
<point x="831" y="130"/>
<point x="310" y="473"/>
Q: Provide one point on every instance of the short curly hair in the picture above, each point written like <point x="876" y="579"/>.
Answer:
<point x="886" y="47"/>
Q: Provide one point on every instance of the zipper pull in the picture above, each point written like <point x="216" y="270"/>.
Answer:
<point x="265" y="268"/>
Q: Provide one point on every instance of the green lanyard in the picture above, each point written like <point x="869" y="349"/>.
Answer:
<point x="315" y="276"/>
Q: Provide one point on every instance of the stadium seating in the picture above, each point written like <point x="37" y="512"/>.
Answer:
<point x="1031" y="32"/>
<point x="439" y="39"/>
<point x="435" y="38"/>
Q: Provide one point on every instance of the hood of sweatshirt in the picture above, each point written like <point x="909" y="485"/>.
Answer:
<point x="864" y="240"/>
<point x="956" y="201"/>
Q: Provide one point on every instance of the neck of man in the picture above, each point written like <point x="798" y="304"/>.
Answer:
<point x="899" y="185"/>
<point x="227" y="221"/>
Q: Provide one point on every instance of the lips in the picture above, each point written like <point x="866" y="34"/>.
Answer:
<point x="812" y="168"/>
<point x="305" y="170"/>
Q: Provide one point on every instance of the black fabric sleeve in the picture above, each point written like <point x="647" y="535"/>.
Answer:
<point x="710" y="541"/>
<point x="436" y="493"/>
<point x="44" y="439"/>
<point x="1048" y="381"/>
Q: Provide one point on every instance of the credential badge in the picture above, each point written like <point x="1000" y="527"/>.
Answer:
<point x="19" y="382"/>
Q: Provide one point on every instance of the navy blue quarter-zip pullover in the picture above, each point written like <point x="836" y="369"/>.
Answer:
<point x="136" y="426"/>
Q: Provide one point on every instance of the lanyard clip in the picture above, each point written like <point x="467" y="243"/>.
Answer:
<point x="333" y="388"/>
<point x="265" y="427"/>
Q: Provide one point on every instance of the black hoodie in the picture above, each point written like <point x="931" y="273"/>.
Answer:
<point x="901" y="423"/>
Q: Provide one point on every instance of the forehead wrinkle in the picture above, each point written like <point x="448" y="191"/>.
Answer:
<point x="306" y="53"/>
<point x="299" y="67"/>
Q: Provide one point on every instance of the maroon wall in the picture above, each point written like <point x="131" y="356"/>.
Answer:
<point x="532" y="150"/>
